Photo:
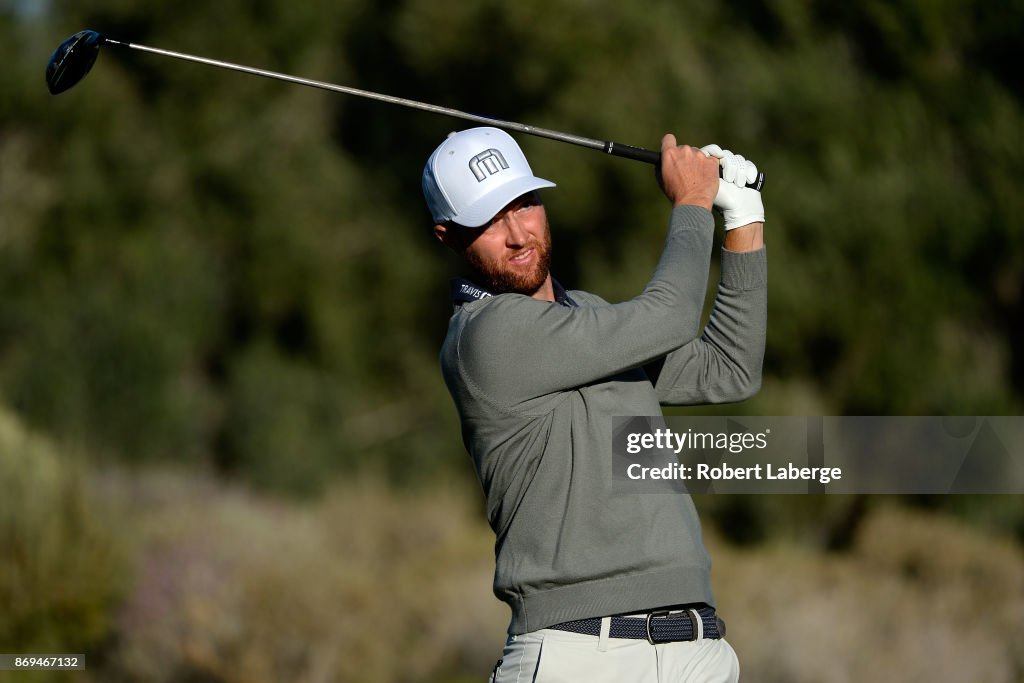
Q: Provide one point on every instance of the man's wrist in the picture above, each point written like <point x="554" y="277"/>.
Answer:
<point x="748" y="237"/>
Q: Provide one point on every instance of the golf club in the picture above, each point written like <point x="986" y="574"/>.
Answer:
<point x="73" y="59"/>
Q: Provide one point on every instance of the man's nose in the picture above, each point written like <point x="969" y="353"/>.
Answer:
<point x="515" y="231"/>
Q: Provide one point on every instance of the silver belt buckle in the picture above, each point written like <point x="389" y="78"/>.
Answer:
<point x="660" y="614"/>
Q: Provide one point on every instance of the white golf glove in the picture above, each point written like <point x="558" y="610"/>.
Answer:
<point x="739" y="204"/>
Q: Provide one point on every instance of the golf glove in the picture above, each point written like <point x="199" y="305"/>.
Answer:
<point x="740" y="205"/>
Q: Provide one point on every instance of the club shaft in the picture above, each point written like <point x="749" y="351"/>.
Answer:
<point x="607" y="146"/>
<point x="390" y="99"/>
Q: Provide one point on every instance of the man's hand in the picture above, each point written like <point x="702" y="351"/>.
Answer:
<point x="739" y="204"/>
<point x="687" y="175"/>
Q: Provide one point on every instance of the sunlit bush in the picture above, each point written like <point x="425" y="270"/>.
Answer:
<point x="61" y="565"/>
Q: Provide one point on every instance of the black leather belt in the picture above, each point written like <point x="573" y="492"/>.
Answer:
<point x="663" y="626"/>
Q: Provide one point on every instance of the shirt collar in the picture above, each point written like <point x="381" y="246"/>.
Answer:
<point x="463" y="291"/>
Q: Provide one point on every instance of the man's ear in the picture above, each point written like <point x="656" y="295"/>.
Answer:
<point x="441" y="233"/>
<point x="455" y="237"/>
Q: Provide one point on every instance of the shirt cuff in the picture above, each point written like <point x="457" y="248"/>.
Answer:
<point x="690" y="217"/>
<point x="745" y="270"/>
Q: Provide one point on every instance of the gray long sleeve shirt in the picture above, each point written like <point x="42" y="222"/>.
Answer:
<point x="536" y="385"/>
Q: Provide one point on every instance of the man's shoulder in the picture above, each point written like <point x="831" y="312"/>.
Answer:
<point x="586" y="298"/>
<point x="502" y="313"/>
<point x="498" y="311"/>
<point x="481" y="336"/>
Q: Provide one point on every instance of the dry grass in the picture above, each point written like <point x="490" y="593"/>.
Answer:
<point x="179" y="578"/>
<point x="920" y="598"/>
<point x="240" y="588"/>
<point x="232" y="587"/>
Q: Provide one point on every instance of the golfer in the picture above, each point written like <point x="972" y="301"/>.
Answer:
<point x="602" y="587"/>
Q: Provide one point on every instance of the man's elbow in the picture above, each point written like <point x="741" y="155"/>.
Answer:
<point x="749" y="388"/>
<point x="742" y="384"/>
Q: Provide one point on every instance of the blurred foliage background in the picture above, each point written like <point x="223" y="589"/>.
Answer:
<point x="221" y="308"/>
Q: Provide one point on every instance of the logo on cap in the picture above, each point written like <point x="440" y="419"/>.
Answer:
<point x="487" y="163"/>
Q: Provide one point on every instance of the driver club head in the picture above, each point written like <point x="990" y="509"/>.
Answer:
<point x="72" y="60"/>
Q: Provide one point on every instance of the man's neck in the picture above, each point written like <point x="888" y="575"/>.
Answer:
<point x="546" y="291"/>
<point x="464" y="291"/>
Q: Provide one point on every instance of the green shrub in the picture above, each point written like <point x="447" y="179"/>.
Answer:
<point x="60" y="563"/>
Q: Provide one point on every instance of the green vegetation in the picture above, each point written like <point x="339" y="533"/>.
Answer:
<point x="62" y="567"/>
<point x="234" y="278"/>
<point x="206" y="267"/>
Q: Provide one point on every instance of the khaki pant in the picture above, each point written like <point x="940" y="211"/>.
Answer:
<point x="550" y="656"/>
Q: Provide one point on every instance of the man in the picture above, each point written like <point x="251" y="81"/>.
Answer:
<point x="602" y="587"/>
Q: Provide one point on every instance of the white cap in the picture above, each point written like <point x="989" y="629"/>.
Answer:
<point x="474" y="174"/>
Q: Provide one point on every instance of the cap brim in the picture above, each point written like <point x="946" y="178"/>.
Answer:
<point x="489" y="205"/>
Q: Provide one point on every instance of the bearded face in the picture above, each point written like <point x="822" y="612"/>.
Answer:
<point x="512" y="253"/>
<point x="520" y="269"/>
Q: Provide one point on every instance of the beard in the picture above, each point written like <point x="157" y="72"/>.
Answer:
<point x="500" y="278"/>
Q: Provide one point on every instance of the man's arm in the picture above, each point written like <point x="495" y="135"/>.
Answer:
<point x="724" y="363"/>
